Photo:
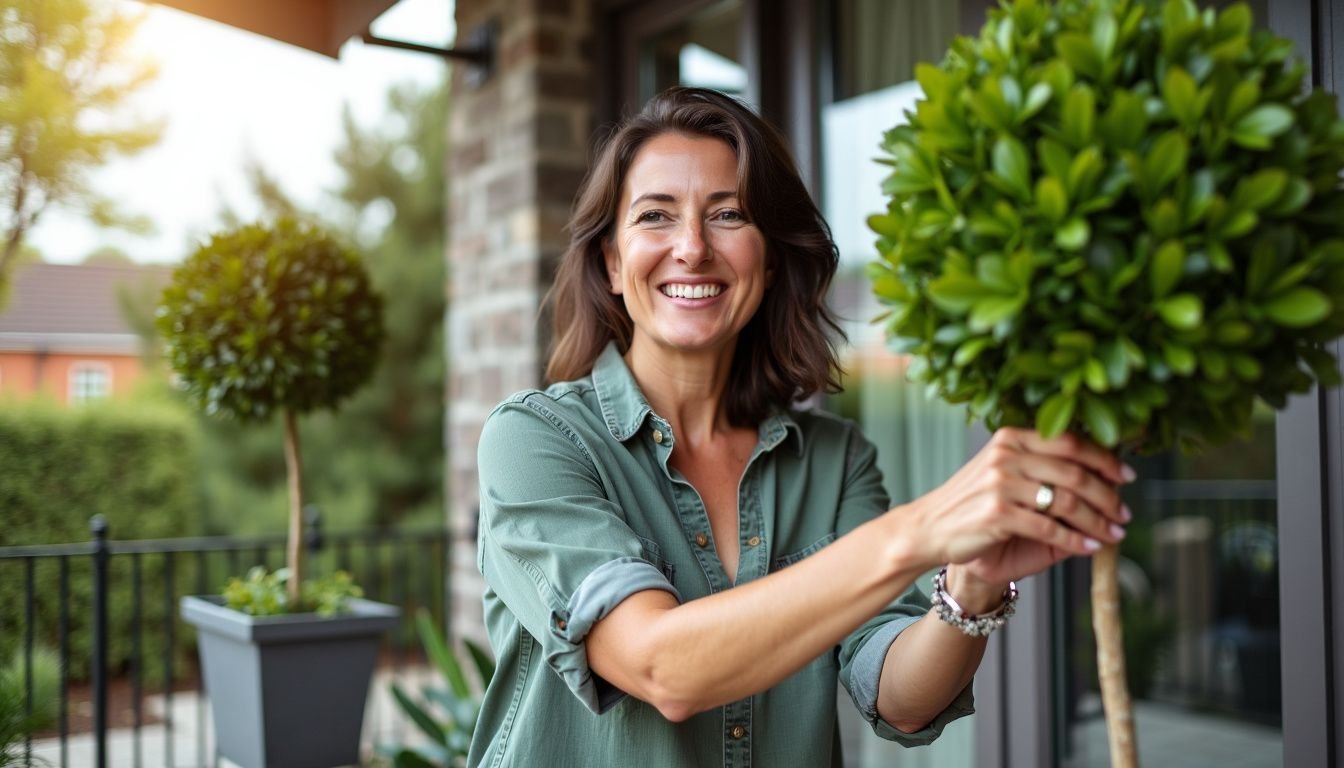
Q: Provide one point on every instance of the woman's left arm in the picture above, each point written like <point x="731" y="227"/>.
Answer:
<point x="932" y="661"/>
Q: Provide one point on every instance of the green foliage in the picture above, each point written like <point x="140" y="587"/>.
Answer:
<point x="263" y="593"/>
<point x="135" y="467"/>
<point x="262" y="319"/>
<point x="446" y="716"/>
<point x="1119" y="217"/>
<point x="46" y="685"/>
<point x="65" y="77"/>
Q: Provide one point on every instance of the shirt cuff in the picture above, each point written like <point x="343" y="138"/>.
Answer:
<point x="598" y="595"/>
<point x="865" y="674"/>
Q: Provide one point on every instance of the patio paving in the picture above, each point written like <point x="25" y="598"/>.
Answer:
<point x="190" y="715"/>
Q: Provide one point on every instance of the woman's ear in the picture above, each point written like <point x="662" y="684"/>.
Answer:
<point x="613" y="260"/>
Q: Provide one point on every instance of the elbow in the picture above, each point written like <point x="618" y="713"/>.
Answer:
<point x="909" y="726"/>
<point x="668" y="695"/>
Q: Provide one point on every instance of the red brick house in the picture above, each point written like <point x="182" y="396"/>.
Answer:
<point x="63" y="332"/>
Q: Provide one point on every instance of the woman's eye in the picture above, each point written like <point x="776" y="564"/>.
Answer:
<point x="649" y="217"/>
<point x="730" y="216"/>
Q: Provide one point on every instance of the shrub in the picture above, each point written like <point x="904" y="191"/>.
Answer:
<point x="1122" y="218"/>
<point x="46" y="686"/>
<point x="60" y="468"/>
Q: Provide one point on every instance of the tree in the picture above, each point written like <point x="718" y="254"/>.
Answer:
<point x="65" y="76"/>
<point x="379" y="460"/>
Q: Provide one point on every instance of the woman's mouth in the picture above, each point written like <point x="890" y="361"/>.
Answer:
<point x="689" y="291"/>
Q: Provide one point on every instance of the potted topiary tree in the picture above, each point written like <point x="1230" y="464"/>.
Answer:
<point x="1122" y="218"/>
<point x="264" y="321"/>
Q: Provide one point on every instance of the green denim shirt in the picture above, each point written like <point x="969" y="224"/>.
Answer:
<point x="580" y="510"/>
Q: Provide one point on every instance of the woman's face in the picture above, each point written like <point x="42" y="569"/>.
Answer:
<point x="690" y="266"/>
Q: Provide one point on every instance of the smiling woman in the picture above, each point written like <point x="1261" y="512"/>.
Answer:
<point x="668" y="544"/>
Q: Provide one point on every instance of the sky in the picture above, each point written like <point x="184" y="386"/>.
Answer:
<point x="227" y="94"/>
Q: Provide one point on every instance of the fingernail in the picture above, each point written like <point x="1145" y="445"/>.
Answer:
<point x="1125" y="513"/>
<point x="1127" y="472"/>
<point x="1117" y="532"/>
<point x="1091" y="545"/>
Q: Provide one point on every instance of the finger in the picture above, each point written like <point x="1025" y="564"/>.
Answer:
<point x="1076" y="513"/>
<point x="1065" y="475"/>
<point x="1030" y="524"/>
<point x="1071" y="447"/>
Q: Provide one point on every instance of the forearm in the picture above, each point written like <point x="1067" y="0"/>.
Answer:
<point x="931" y="662"/>
<point x="744" y="640"/>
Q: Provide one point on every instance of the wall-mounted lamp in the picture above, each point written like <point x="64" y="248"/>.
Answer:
<point x="477" y="50"/>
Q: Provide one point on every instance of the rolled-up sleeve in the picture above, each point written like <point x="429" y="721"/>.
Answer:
<point x="552" y="546"/>
<point x="863" y="653"/>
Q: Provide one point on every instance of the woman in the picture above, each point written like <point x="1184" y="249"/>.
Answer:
<point x="679" y="566"/>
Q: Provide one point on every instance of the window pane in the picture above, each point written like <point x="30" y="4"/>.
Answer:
<point x="1199" y="577"/>
<point x="702" y="51"/>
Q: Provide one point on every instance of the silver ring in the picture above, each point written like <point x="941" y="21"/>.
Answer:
<point x="1045" y="496"/>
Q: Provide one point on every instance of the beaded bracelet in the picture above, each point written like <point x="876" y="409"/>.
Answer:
<point x="976" y="626"/>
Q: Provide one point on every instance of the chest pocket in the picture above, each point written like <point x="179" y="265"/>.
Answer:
<point x="650" y="551"/>
<point x="785" y="561"/>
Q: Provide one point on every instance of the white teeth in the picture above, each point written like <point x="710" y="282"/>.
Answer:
<point x="682" y="291"/>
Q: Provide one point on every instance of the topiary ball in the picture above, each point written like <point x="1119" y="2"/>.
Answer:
<point x="1118" y="217"/>
<point x="268" y="318"/>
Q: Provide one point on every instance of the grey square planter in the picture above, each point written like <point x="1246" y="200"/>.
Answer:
<point x="288" y="691"/>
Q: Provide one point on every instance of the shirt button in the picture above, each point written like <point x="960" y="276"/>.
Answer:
<point x="754" y="541"/>
<point x="701" y="540"/>
<point x="738" y="732"/>
<point x="658" y="436"/>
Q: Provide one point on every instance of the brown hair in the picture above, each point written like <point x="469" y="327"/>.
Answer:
<point x="785" y="352"/>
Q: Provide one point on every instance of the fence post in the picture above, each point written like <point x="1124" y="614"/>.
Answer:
<point x="100" y="556"/>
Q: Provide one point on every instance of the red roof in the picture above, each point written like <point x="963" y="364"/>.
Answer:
<point x="75" y="307"/>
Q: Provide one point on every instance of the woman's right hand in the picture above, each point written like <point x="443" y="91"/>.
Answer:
<point x="985" y="517"/>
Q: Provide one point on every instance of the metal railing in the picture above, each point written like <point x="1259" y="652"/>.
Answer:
<point x="405" y="568"/>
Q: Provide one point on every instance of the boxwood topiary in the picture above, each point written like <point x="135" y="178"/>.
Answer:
<point x="267" y="319"/>
<point x="1118" y="217"/>
<point x="1122" y="218"/>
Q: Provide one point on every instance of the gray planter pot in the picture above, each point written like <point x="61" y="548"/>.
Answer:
<point x="288" y="691"/>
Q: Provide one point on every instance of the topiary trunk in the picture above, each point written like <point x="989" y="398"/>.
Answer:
<point x="1106" y="625"/>
<point x="294" y="463"/>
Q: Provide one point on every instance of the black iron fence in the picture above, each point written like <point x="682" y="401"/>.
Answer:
<point x="108" y="608"/>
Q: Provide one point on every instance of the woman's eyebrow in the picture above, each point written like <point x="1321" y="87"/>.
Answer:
<point x="663" y="197"/>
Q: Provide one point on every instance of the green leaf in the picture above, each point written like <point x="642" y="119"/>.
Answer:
<point x="1168" y="265"/>
<point x="967" y="352"/>
<point x="1054" y="157"/>
<point x="1183" y="311"/>
<point x="955" y="293"/>
<point x="437" y="650"/>
<point x="1051" y="200"/>
<point x="1260" y="189"/>
<point x="1037" y="98"/>
<point x="485" y="666"/>
<point x="1079" y="117"/>
<point x="1011" y="165"/>
<point x="1180" y="358"/>
<point x="1165" y="161"/>
<point x="418" y="715"/>
<point x="1101" y="421"/>
<point x="1179" y="92"/>
<point x="1055" y="414"/>
<point x="1112" y="355"/>
<point x="1298" y="308"/>
<point x="1256" y="128"/>
<point x="1104" y="33"/>
<point x="1094" y="374"/>
<point x="1125" y="121"/>
<point x="990" y="311"/>
<point x="1079" y="53"/>
<point x="1074" y="234"/>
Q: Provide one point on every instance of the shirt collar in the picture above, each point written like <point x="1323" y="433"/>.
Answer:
<point x="624" y="408"/>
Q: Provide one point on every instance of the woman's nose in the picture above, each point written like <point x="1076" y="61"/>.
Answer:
<point x="690" y="247"/>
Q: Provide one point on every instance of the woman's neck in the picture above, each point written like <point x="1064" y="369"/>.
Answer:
<point x="686" y="388"/>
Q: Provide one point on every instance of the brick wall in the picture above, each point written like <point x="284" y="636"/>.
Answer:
<point x="519" y="147"/>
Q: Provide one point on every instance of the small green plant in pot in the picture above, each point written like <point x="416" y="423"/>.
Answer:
<point x="268" y="321"/>
<point x="1122" y="218"/>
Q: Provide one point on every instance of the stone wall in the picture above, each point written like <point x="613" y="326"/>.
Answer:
<point x="518" y="150"/>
